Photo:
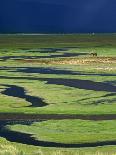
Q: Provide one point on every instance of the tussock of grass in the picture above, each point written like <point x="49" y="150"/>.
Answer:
<point x="12" y="150"/>
<point x="9" y="150"/>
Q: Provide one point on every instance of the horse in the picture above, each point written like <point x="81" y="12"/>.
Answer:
<point x="94" y="54"/>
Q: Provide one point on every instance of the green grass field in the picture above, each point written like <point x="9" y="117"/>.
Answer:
<point x="70" y="131"/>
<point x="56" y="74"/>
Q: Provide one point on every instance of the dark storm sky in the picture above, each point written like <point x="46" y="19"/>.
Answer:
<point x="51" y="16"/>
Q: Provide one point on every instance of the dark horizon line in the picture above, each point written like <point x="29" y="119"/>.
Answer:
<point x="57" y="33"/>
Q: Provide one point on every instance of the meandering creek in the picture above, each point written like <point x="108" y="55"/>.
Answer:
<point x="20" y="92"/>
<point x="61" y="55"/>
<point x="24" y="138"/>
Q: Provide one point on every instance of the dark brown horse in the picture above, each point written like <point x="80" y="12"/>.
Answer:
<point x="94" y="54"/>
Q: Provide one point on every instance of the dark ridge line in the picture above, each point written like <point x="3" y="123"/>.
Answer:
<point x="28" y="139"/>
<point x="16" y="91"/>
<point x="32" y="117"/>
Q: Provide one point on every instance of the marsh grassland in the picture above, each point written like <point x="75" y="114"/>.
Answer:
<point x="58" y="94"/>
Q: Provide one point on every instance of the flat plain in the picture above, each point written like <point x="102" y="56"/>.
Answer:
<point x="58" y="94"/>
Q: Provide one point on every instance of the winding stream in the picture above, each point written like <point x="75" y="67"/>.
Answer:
<point x="17" y="91"/>
<point x="82" y="84"/>
<point x="60" y="55"/>
<point x="24" y="138"/>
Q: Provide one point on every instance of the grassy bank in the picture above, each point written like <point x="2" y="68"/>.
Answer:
<point x="70" y="131"/>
